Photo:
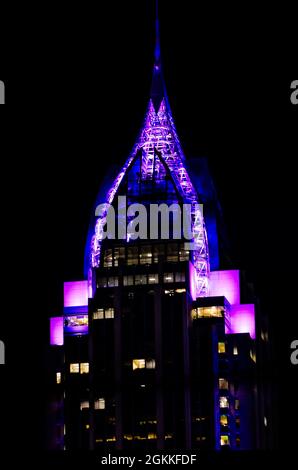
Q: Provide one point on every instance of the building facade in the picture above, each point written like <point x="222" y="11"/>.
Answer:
<point x="158" y="347"/>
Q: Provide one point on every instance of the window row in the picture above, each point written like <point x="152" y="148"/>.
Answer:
<point x="102" y="313"/>
<point x="143" y="364"/>
<point x="79" y="368"/>
<point x="140" y="279"/>
<point x="145" y="254"/>
<point x="99" y="404"/>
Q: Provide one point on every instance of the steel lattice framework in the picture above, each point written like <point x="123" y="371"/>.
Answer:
<point x="159" y="134"/>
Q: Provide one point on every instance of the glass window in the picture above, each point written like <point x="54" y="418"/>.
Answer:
<point x="146" y="254"/>
<point x="100" y="404"/>
<point x="221" y="347"/>
<point x="172" y="252"/>
<point x="183" y="254"/>
<point x="74" y="368"/>
<point x="119" y="256"/>
<point x="84" y="405"/>
<point x="132" y="256"/>
<point x="113" y="281"/>
<point x="235" y="350"/>
<point x="223" y="402"/>
<point x="238" y="441"/>
<point x="150" y="364"/>
<point x="84" y="367"/>
<point x="223" y="384"/>
<point x="179" y="277"/>
<point x="140" y="279"/>
<point x="224" y="440"/>
<point x="223" y="420"/>
<point x="138" y="364"/>
<point x="158" y="253"/>
<point x="102" y="282"/>
<point x="99" y="314"/>
<point x="153" y="278"/>
<point x="128" y="280"/>
<point x="109" y="313"/>
<point x="58" y="377"/>
<point x="237" y="422"/>
<point x="108" y="258"/>
<point x="168" y="277"/>
<point x="237" y="404"/>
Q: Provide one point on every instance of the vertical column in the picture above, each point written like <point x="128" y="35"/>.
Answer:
<point x="158" y="356"/>
<point x="187" y="412"/>
<point x="118" y="366"/>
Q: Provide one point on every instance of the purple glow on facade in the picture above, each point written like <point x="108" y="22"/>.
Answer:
<point x="56" y="331"/>
<point x="76" y="294"/>
<point x="243" y="319"/>
<point x="227" y="284"/>
<point x="192" y="281"/>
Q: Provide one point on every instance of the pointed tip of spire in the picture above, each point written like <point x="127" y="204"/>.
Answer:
<point x="157" y="37"/>
<point x="158" y="87"/>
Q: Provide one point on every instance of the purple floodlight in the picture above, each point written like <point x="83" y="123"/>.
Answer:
<point x="243" y="319"/>
<point x="75" y="294"/>
<point x="225" y="283"/>
<point x="56" y="331"/>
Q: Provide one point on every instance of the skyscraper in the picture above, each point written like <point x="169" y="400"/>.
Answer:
<point x="158" y="347"/>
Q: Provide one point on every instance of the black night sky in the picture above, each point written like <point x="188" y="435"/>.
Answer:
<point x="81" y="83"/>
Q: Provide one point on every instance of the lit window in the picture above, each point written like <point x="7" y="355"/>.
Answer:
<point x="153" y="279"/>
<point x="223" y="384"/>
<point x="138" y="364"/>
<point x="237" y="404"/>
<point x="99" y="314"/>
<point x="168" y="277"/>
<point x="221" y="348"/>
<point x="132" y="256"/>
<point x="238" y="441"/>
<point x="253" y="355"/>
<point x="150" y="364"/>
<point x="109" y="313"/>
<point x="119" y="255"/>
<point x="108" y="259"/>
<point x="128" y="280"/>
<point x="172" y="252"/>
<point x="145" y="255"/>
<point x="84" y="367"/>
<point x="152" y="435"/>
<point x="100" y="404"/>
<point x="265" y="421"/>
<point x="140" y="279"/>
<point x="58" y="377"/>
<point x="224" y="440"/>
<point x="74" y="368"/>
<point x="180" y="291"/>
<point x="102" y="282"/>
<point x="223" y="420"/>
<point x="183" y="254"/>
<point x="237" y="422"/>
<point x="158" y="253"/>
<point x="235" y="350"/>
<point x="84" y="405"/>
<point x="113" y="281"/>
<point x="179" y="277"/>
<point x="223" y="402"/>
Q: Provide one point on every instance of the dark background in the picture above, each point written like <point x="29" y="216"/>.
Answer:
<point x="77" y="84"/>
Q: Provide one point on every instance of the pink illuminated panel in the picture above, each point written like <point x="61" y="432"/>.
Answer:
<point x="56" y="331"/>
<point x="225" y="283"/>
<point x="243" y="319"/>
<point x="192" y="281"/>
<point x="75" y="294"/>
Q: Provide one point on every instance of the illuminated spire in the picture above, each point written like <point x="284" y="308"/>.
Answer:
<point x="158" y="91"/>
